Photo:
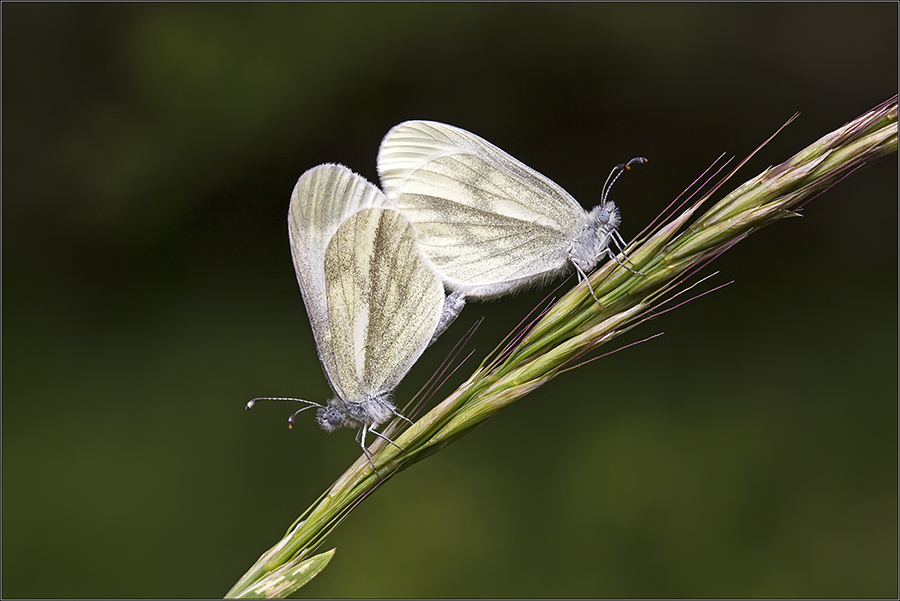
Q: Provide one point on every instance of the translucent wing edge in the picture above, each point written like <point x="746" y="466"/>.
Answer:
<point x="502" y="288"/>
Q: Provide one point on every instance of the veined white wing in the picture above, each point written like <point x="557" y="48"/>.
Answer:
<point x="488" y="223"/>
<point x="384" y="303"/>
<point x="322" y="199"/>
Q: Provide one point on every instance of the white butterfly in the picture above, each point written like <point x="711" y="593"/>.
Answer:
<point x="373" y="303"/>
<point x="488" y="223"/>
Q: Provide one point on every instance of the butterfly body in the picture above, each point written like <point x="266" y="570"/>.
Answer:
<point x="369" y="412"/>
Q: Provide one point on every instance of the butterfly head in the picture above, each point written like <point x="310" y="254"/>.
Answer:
<point x="331" y="416"/>
<point x="370" y="411"/>
<point x="605" y="217"/>
<point x="593" y="241"/>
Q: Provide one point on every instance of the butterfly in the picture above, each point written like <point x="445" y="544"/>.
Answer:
<point x="373" y="303"/>
<point x="486" y="222"/>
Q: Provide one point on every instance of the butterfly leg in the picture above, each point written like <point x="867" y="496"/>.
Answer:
<point x="398" y="414"/>
<point x="616" y="259"/>
<point x="383" y="437"/>
<point x="361" y="439"/>
<point x="620" y="242"/>
<point x="582" y="275"/>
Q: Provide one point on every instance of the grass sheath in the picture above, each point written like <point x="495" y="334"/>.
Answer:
<point x="667" y="255"/>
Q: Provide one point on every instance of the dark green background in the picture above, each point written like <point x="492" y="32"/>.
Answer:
<point x="149" y="152"/>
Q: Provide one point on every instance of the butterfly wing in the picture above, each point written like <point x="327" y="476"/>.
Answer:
<point x="324" y="197"/>
<point x="487" y="222"/>
<point x="384" y="302"/>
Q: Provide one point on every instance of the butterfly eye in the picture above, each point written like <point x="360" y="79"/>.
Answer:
<point x="603" y="216"/>
<point x="333" y="416"/>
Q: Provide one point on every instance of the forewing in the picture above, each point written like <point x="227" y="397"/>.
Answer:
<point x="484" y="219"/>
<point x="322" y="199"/>
<point x="384" y="302"/>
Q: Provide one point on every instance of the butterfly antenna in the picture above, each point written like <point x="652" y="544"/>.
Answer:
<point x="295" y="413"/>
<point x="278" y="398"/>
<point x="616" y="172"/>
<point x="309" y="405"/>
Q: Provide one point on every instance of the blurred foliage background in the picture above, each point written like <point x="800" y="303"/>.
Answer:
<point x="149" y="151"/>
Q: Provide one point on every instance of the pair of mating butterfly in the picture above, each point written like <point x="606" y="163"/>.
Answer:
<point x="456" y="213"/>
